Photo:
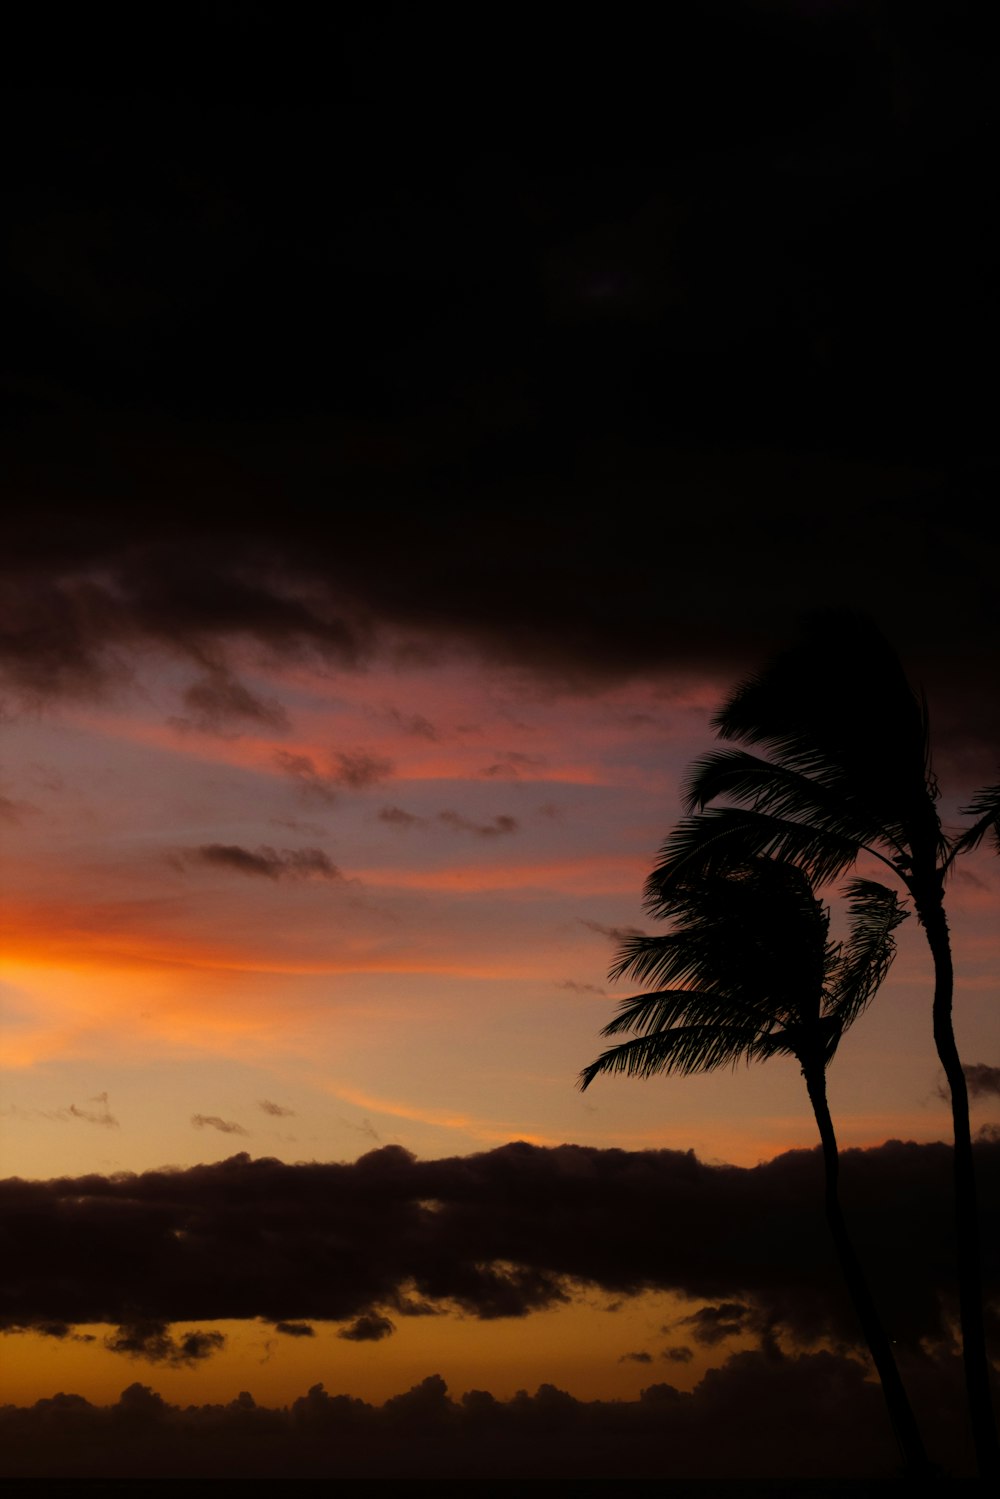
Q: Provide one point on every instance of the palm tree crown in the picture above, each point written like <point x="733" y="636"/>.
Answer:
<point x="752" y="973"/>
<point x="846" y="771"/>
<point x="846" y="768"/>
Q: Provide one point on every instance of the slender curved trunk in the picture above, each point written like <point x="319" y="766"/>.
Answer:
<point x="897" y="1401"/>
<point x="970" y="1287"/>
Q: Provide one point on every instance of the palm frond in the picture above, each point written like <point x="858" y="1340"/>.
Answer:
<point x="655" y="1012"/>
<point x="697" y="955"/>
<point x="750" y="952"/>
<point x="985" y="808"/>
<point x="837" y="708"/>
<point x="728" y="837"/>
<point x="684" y="1049"/>
<point x="766" y="786"/>
<point x="874" y="912"/>
<point x="755" y="929"/>
<point x="665" y="959"/>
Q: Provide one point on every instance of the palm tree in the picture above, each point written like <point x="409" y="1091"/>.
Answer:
<point x="757" y="976"/>
<point x="848" y="772"/>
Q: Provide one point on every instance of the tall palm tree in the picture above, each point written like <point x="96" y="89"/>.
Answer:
<point x="847" y="772"/>
<point x="757" y="976"/>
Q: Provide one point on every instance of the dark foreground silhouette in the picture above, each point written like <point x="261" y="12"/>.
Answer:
<point x="752" y="973"/>
<point x="833" y="762"/>
<point x="763" y="1415"/>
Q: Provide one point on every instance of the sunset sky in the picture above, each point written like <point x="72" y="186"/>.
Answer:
<point x="414" y="433"/>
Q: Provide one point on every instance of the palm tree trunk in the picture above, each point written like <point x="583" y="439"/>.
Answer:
<point x="970" y="1292"/>
<point x="901" y="1415"/>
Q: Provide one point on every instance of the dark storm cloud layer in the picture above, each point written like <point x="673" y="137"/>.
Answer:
<point x="614" y="378"/>
<point x="495" y="1235"/>
<point x="762" y="1415"/>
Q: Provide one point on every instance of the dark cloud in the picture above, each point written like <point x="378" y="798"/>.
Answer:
<point x="633" y="423"/>
<point x="495" y="1235"/>
<point x="616" y="933"/>
<point x="151" y="1340"/>
<point x="713" y="1324"/>
<point x="310" y="781"/>
<point x="58" y="1330"/>
<point x="636" y="1358"/>
<point x="493" y="829"/>
<point x="575" y="988"/>
<point x="678" y="1355"/>
<point x="270" y="863"/>
<point x="983" y="1080"/>
<point x="212" y="1121"/>
<point x="276" y="1110"/>
<point x="354" y="770"/>
<point x="218" y="702"/>
<point x="295" y="1329"/>
<point x="360" y="768"/>
<point x="368" y="1328"/>
<point x="762" y="1415"/>
<point x="398" y="817"/>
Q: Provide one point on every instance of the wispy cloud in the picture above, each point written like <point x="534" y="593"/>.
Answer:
<point x="219" y="702"/>
<point x="13" y="811"/>
<point x="398" y="817"/>
<point x="310" y="781"/>
<point x="511" y="765"/>
<point x="616" y="933"/>
<point x="212" y="1121"/>
<point x="276" y="1110"/>
<point x="267" y="862"/>
<point x="492" y="829"/>
<point x="353" y="770"/>
<point x="101" y="1115"/>
<point x="357" y="769"/>
<point x="413" y="723"/>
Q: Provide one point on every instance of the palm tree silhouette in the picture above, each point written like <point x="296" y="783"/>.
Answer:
<point x="757" y="976"/>
<point x="848" y="772"/>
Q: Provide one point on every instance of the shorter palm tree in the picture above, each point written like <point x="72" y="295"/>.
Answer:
<point x="749" y="972"/>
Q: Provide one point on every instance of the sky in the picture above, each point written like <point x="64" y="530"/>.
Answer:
<point x="416" y="426"/>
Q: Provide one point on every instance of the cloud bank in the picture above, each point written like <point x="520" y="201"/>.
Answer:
<point x="499" y="1234"/>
